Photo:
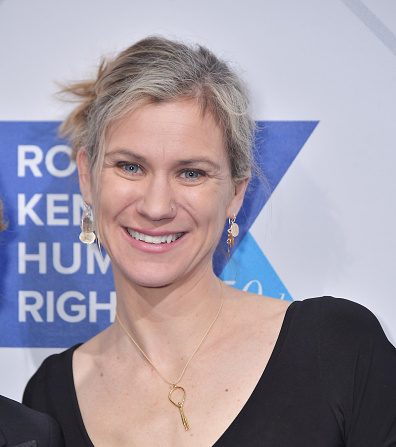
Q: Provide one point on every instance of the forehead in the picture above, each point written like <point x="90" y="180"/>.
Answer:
<point x="166" y="130"/>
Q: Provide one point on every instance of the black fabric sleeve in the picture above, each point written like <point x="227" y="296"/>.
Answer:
<point x="374" y="404"/>
<point x="358" y="364"/>
<point x="35" y="395"/>
<point x="51" y="390"/>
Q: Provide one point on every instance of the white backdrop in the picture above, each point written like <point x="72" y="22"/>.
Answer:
<point x="330" y="225"/>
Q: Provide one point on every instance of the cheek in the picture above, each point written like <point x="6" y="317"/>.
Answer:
<point x="112" y="199"/>
<point x="207" y="205"/>
<point x="115" y="194"/>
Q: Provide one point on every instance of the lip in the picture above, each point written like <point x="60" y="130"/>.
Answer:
<point x="153" y="248"/>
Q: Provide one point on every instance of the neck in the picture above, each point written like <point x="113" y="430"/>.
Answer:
<point x="168" y="322"/>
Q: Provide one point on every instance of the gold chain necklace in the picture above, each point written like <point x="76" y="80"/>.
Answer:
<point x="179" y="403"/>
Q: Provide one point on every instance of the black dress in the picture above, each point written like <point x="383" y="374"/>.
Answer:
<point x="330" y="382"/>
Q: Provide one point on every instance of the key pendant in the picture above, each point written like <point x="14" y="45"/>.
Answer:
<point x="183" y="417"/>
<point x="179" y="403"/>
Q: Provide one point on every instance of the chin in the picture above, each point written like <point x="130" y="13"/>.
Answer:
<point x="153" y="277"/>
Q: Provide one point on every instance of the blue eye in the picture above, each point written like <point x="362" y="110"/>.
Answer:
<point x="130" y="168"/>
<point x="192" y="174"/>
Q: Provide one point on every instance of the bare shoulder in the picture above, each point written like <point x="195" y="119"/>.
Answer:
<point x="89" y="355"/>
<point x="257" y="310"/>
<point x="253" y="302"/>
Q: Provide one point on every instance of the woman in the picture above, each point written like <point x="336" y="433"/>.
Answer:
<point x="163" y="146"/>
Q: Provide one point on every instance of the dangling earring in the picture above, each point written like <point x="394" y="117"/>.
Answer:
<point x="233" y="231"/>
<point x="87" y="235"/>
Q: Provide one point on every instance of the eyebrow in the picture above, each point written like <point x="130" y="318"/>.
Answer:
<point x="125" y="153"/>
<point x="184" y="162"/>
<point x="198" y="160"/>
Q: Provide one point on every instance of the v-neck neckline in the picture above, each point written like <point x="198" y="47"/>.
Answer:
<point x="266" y="372"/>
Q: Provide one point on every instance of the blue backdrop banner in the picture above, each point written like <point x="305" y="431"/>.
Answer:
<point x="54" y="291"/>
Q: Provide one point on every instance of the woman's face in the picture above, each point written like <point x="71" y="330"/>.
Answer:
<point x="165" y="192"/>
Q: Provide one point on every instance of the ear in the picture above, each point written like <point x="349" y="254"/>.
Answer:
<point x="84" y="175"/>
<point x="238" y="196"/>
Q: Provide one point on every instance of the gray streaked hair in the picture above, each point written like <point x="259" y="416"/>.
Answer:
<point x="156" y="70"/>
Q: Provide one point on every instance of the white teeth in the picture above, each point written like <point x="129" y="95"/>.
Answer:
<point x="154" y="239"/>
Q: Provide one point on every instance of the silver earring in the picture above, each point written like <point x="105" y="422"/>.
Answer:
<point x="233" y="231"/>
<point x="87" y="235"/>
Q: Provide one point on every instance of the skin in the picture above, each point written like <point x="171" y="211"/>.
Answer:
<point x="166" y="171"/>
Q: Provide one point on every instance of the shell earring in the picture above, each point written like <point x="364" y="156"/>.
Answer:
<point x="233" y="231"/>
<point x="87" y="235"/>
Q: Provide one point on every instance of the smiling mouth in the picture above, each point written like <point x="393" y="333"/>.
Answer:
<point x="164" y="239"/>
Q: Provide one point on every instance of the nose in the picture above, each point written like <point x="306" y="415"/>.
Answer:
<point x="157" y="201"/>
